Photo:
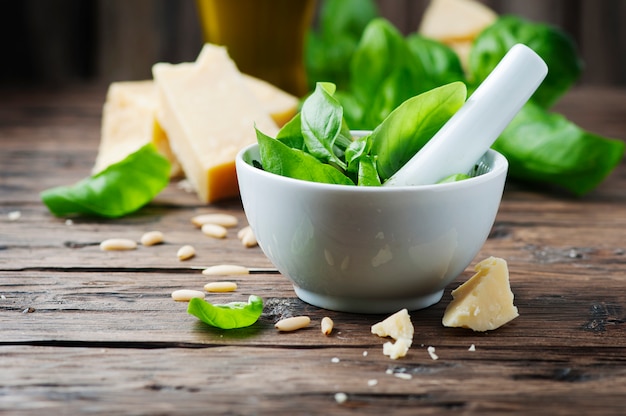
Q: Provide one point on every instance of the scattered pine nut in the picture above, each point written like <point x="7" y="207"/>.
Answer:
<point x="214" y="230"/>
<point x="327" y="325"/>
<point x="118" y="244"/>
<point x="152" y="238"/>
<point x="247" y="237"/>
<point x="244" y="230"/>
<point x="292" y="324"/>
<point x="185" y="295"/>
<point x="225" y="220"/>
<point x="225" y="270"/>
<point x="186" y="252"/>
<point x="220" y="287"/>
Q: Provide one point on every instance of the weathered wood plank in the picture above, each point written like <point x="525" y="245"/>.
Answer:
<point x="557" y="309"/>
<point x="217" y="380"/>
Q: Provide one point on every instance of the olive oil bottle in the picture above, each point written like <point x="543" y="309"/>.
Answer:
<point x="265" y="38"/>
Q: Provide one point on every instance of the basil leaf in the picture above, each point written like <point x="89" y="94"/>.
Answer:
<point x="436" y="63"/>
<point x="118" y="190"/>
<point x="291" y="133"/>
<point x="412" y="124"/>
<point x="228" y="316"/>
<point x="368" y="174"/>
<point x="382" y="73"/>
<point x="546" y="147"/>
<point x="280" y="159"/>
<point x="322" y="121"/>
<point x="356" y="150"/>
<point x="556" y="48"/>
<point x="393" y="91"/>
<point x="329" y="48"/>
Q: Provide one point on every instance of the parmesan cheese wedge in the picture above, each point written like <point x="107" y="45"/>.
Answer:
<point x="456" y="23"/>
<point x="455" y="20"/>
<point x="129" y="119"/>
<point x="209" y="114"/>
<point x="281" y="105"/>
<point x="128" y="123"/>
<point x="485" y="301"/>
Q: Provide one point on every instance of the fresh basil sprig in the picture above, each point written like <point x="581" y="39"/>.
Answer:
<point x="118" y="190"/>
<point x="323" y="151"/>
<point x="227" y="316"/>
<point x="387" y="68"/>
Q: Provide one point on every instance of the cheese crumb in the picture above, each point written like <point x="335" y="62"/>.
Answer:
<point x="403" y="376"/>
<point x="373" y="382"/>
<point x="14" y="215"/>
<point x="341" y="397"/>
<point x="334" y="360"/>
<point x="431" y="352"/>
<point x="399" y="327"/>
<point x="472" y="348"/>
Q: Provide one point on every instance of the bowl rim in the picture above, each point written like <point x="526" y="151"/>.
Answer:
<point x="499" y="167"/>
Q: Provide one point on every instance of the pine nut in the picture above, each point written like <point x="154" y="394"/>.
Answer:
<point x="327" y="325"/>
<point x="186" y="252"/>
<point x="220" y="287"/>
<point x="152" y="238"/>
<point x="214" y="230"/>
<point x="225" y="270"/>
<point x="244" y="230"/>
<point x="248" y="239"/>
<point x="293" y="323"/>
<point x="185" y="295"/>
<point x="225" y="220"/>
<point x="118" y="244"/>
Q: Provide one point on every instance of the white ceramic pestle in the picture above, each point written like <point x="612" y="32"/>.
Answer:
<point x="471" y="131"/>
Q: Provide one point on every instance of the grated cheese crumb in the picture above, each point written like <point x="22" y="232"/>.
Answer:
<point x="341" y="397"/>
<point x="472" y="348"/>
<point x="431" y="352"/>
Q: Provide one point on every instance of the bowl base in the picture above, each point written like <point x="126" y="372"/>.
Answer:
<point x="364" y="305"/>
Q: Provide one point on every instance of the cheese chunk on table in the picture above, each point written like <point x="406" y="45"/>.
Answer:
<point x="485" y="301"/>
<point x="399" y="327"/>
<point x="209" y="114"/>
<point x="281" y="105"/>
<point x="129" y="119"/>
<point x="128" y="123"/>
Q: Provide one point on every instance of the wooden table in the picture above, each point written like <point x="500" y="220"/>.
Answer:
<point x="87" y="331"/>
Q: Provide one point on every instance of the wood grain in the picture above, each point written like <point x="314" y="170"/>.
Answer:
<point x="94" y="332"/>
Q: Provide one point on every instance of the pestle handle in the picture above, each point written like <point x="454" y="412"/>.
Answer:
<point x="471" y="131"/>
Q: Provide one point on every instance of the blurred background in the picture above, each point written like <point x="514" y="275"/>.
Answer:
<point x="100" y="41"/>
